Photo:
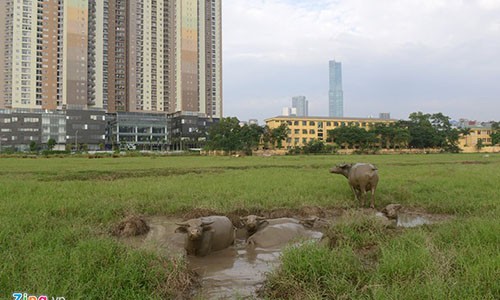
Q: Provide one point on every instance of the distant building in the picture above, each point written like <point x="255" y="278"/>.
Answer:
<point x="289" y="111"/>
<point x="253" y="122"/>
<point x="120" y="56"/>
<point x="306" y="129"/>
<point x="335" y="93"/>
<point x="188" y="130"/>
<point x="475" y="134"/>
<point x="384" y="116"/>
<point x="301" y="105"/>
<point x="21" y="127"/>
<point x="137" y="131"/>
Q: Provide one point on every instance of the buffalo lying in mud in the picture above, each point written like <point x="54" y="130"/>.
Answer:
<point x="253" y="223"/>
<point x="204" y="235"/>
<point x="280" y="234"/>
<point x="263" y="232"/>
<point x="362" y="178"/>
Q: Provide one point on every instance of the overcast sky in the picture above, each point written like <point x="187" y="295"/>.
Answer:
<point x="398" y="56"/>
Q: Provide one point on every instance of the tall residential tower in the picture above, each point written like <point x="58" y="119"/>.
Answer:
<point x="44" y="54"/>
<point x="335" y="93"/>
<point x="119" y="55"/>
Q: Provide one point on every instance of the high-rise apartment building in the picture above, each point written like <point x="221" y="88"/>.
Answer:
<point x="119" y="55"/>
<point x="335" y="93"/>
<point x="302" y="106"/>
<point x="198" y="58"/>
<point x="44" y="54"/>
<point x="157" y="56"/>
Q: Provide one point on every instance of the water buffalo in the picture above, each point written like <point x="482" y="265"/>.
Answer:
<point x="280" y="234"/>
<point x="204" y="235"/>
<point x="253" y="223"/>
<point x="362" y="177"/>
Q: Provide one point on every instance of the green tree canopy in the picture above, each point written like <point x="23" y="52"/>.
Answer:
<point x="51" y="143"/>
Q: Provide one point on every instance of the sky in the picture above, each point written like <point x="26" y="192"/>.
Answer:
<point x="398" y="56"/>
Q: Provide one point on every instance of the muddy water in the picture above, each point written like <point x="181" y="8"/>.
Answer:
<point x="236" y="272"/>
<point x="408" y="220"/>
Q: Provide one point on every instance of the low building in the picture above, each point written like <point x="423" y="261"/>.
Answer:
<point x="188" y="130"/>
<point x="21" y="128"/>
<point x="305" y="129"/>
<point x="86" y="129"/>
<point x="476" y="135"/>
<point x="137" y="131"/>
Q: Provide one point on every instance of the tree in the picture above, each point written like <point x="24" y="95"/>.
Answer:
<point x="431" y="131"/>
<point x="479" y="144"/>
<point x="250" y="136"/>
<point x="495" y="133"/>
<point x="352" y="137"/>
<point x="51" y="143"/>
<point x="33" y="146"/>
<point x="495" y="138"/>
<point x="401" y="137"/>
<point x="224" y="135"/>
<point x="279" y="134"/>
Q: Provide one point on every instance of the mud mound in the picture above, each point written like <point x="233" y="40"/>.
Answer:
<point x="198" y="213"/>
<point x="130" y="226"/>
<point x="279" y="213"/>
<point x="307" y="211"/>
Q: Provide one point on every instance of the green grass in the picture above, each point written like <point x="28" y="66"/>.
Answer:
<point x="55" y="217"/>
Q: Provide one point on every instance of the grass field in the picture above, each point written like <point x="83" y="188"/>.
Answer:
<point x="56" y="214"/>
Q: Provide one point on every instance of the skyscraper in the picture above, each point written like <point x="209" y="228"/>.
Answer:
<point x="335" y="93"/>
<point x="302" y="106"/>
<point x="44" y="54"/>
<point x="120" y="55"/>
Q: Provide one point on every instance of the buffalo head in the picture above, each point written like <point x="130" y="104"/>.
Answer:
<point x="194" y="228"/>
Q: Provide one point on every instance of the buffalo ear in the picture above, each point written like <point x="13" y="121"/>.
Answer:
<point x="207" y="228"/>
<point x="244" y="219"/>
<point x="181" y="229"/>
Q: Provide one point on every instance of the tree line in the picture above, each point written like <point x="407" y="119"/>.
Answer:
<point x="420" y="131"/>
<point x="229" y="136"/>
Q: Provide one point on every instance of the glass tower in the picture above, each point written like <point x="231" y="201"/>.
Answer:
<point x="335" y="94"/>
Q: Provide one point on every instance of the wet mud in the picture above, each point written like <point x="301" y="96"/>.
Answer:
<point x="238" y="272"/>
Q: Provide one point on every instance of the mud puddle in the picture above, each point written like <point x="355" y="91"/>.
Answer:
<point x="236" y="272"/>
<point x="410" y="220"/>
<point x="239" y="271"/>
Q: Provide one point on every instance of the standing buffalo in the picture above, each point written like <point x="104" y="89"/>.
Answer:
<point x="362" y="178"/>
<point x="204" y="235"/>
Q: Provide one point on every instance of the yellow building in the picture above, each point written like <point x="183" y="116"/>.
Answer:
<point x="305" y="129"/>
<point x="476" y="134"/>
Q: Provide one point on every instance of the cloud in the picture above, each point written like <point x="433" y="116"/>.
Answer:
<point x="397" y="56"/>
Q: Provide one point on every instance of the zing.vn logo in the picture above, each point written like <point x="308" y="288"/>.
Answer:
<point x="25" y="296"/>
